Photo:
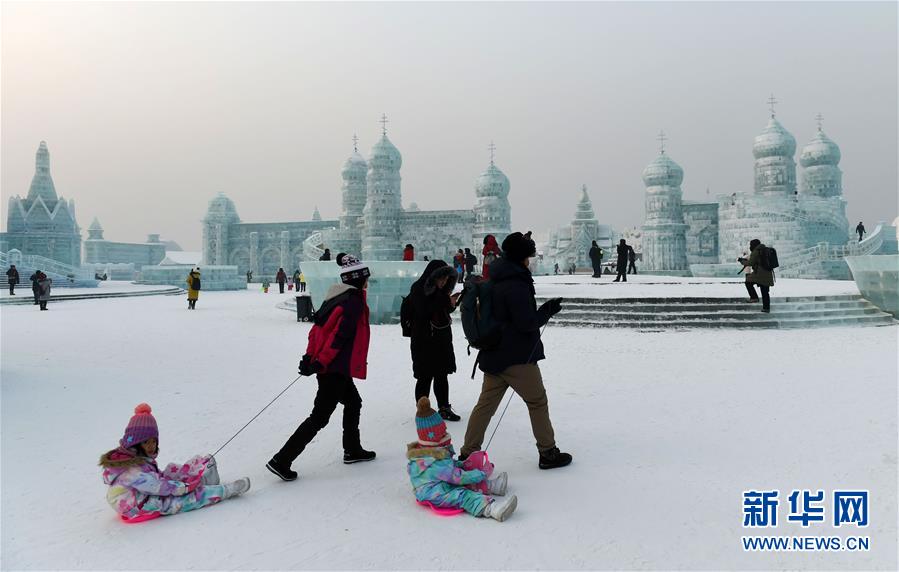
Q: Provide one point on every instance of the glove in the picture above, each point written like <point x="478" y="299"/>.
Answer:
<point x="552" y="307"/>
<point x="309" y="367"/>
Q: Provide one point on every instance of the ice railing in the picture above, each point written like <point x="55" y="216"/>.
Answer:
<point x="824" y="251"/>
<point x="312" y="246"/>
<point x="48" y="265"/>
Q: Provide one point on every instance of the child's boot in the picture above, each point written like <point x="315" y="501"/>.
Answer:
<point x="238" y="487"/>
<point x="211" y="473"/>
<point x="501" y="509"/>
<point x="497" y="485"/>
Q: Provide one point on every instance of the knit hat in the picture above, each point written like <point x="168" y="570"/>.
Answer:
<point x="519" y="246"/>
<point x="141" y="427"/>
<point x="352" y="270"/>
<point x="430" y="425"/>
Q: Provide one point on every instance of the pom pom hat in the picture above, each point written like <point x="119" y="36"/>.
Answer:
<point x="141" y="427"/>
<point x="352" y="270"/>
<point x="431" y="427"/>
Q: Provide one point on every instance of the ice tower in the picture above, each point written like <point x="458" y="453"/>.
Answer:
<point x="664" y="231"/>
<point x="383" y="206"/>
<point x="492" y="210"/>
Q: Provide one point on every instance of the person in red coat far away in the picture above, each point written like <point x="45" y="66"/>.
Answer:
<point x="490" y="253"/>
<point x="409" y="253"/>
<point x="337" y="352"/>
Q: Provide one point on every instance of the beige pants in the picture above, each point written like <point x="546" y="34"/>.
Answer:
<point x="526" y="381"/>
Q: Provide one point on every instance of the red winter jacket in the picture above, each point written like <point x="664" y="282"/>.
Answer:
<point x="339" y="338"/>
<point x="408" y="254"/>
<point x="490" y="253"/>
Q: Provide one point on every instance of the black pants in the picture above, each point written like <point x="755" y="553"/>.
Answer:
<point x="333" y="388"/>
<point x="631" y="266"/>
<point x="191" y="304"/>
<point x="622" y="273"/>
<point x="597" y="270"/>
<point x="12" y="288"/>
<point x="859" y="237"/>
<point x="302" y="286"/>
<point x="43" y="304"/>
<point x="766" y="299"/>
<point x="36" y="293"/>
<point x="281" y="287"/>
<point x="441" y="389"/>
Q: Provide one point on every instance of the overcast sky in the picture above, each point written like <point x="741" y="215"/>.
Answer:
<point x="150" y="109"/>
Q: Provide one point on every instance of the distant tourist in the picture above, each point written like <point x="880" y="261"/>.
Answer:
<point x="760" y="276"/>
<point x="193" y="288"/>
<point x="860" y="229"/>
<point x="596" y="254"/>
<point x="326" y="255"/>
<point x="431" y="301"/>
<point x="556" y="268"/>
<point x="408" y="253"/>
<point x="302" y="283"/>
<point x="337" y="352"/>
<point x="621" y="265"/>
<point x="470" y="262"/>
<point x="35" y="286"/>
<point x="44" y="290"/>
<point x="490" y="253"/>
<point x="631" y="259"/>
<point x="426" y="258"/>
<point x="296" y="279"/>
<point x="281" y="279"/>
<point x="513" y="363"/>
<point x="12" y="276"/>
<point x="459" y="263"/>
<point x="249" y="276"/>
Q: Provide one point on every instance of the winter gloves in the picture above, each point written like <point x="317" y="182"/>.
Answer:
<point x="309" y="367"/>
<point x="552" y="307"/>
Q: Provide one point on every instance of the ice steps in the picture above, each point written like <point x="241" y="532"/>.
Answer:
<point x="683" y="313"/>
<point x="24" y="295"/>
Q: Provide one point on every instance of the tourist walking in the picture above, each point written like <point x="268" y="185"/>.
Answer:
<point x="596" y="254"/>
<point x="860" y="229"/>
<point x="193" y="288"/>
<point x="281" y="279"/>
<point x="249" y="276"/>
<point x="431" y="302"/>
<point x="490" y="252"/>
<point x="12" y="277"/>
<point x="556" y="268"/>
<point x="513" y="362"/>
<point x="470" y="262"/>
<point x="760" y="276"/>
<point x="337" y="352"/>
<point x="459" y="264"/>
<point x="326" y="255"/>
<point x="296" y="279"/>
<point x="621" y="265"/>
<point x="408" y="253"/>
<point x="35" y="279"/>
<point x="44" y="290"/>
<point x="631" y="259"/>
<point x="302" y="285"/>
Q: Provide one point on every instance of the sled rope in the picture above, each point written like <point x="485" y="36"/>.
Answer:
<point x="257" y="415"/>
<point x="508" y="401"/>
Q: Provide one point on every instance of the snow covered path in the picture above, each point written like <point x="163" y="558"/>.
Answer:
<point x="667" y="430"/>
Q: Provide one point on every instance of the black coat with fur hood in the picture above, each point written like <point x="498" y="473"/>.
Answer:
<point x="432" y="335"/>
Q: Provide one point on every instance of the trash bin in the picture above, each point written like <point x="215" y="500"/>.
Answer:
<point x="304" y="308"/>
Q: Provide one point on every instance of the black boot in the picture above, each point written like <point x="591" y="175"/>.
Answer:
<point x="358" y="456"/>
<point x="447" y="413"/>
<point x="553" y="459"/>
<point x="284" y="473"/>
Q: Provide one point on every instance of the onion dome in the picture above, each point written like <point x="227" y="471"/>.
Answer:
<point x="820" y="151"/>
<point x="385" y="155"/>
<point x="663" y="171"/>
<point x="354" y="164"/>
<point x="221" y="208"/>
<point x="774" y="141"/>
<point x="492" y="183"/>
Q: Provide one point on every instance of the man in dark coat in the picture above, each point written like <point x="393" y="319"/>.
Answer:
<point x="760" y="276"/>
<point x="513" y="363"/>
<point x="431" y="343"/>
<point x="621" y="265"/>
<point x="12" y="276"/>
<point x="631" y="258"/>
<point x="596" y="254"/>
<point x="35" y="285"/>
<point x="860" y="229"/>
<point x="281" y="279"/>
<point x="470" y="261"/>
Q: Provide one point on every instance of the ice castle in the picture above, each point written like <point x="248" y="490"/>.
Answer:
<point x="807" y="225"/>
<point x="372" y="221"/>
<point x="570" y="245"/>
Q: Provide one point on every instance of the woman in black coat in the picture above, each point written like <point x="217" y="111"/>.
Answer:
<point x="433" y="358"/>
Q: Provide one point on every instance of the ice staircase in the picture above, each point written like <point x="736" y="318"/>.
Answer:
<point x="687" y="313"/>
<point x="25" y="297"/>
<point x="61" y="274"/>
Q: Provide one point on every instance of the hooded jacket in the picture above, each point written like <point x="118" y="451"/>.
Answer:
<point x="340" y="336"/>
<point x="515" y="308"/>
<point x="432" y="336"/>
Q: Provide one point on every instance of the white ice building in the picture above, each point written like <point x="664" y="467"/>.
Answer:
<point x="570" y="244"/>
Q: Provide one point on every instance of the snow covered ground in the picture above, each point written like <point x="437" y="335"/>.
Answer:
<point x="106" y="287"/>
<point x="667" y="431"/>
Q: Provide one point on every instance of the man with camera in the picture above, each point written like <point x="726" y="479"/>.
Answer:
<point x="757" y="274"/>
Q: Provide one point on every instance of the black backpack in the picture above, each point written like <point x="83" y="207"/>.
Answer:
<point x="481" y="329"/>
<point x="407" y="315"/>
<point x="195" y="283"/>
<point x="768" y="259"/>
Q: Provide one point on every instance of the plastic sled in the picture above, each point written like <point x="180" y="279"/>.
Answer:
<point x="441" y="510"/>
<point x="140" y="518"/>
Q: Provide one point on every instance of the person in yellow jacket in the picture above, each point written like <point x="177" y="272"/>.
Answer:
<point x="193" y="288"/>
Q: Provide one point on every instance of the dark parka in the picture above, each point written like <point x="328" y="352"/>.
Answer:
<point x="759" y="275"/>
<point x="432" y="336"/>
<point x="12" y="275"/>
<point x="515" y="308"/>
<point x="622" y="251"/>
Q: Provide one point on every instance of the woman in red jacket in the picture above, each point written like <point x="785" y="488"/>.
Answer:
<point x="490" y="253"/>
<point x="409" y="253"/>
<point x="337" y="352"/>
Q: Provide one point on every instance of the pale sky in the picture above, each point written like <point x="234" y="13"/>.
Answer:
<point x="149" y="109"/>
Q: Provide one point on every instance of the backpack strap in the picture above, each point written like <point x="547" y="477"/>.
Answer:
<point x="474" y="368"/>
